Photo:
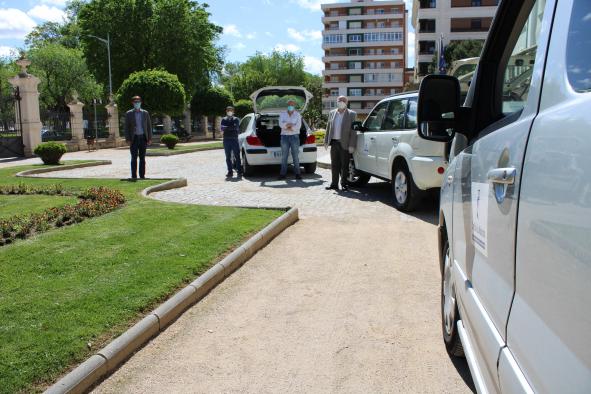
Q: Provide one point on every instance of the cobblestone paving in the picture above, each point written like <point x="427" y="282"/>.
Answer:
<point x="205" y="173"/>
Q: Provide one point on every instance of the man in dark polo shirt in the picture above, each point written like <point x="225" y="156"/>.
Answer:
<point x="230" y="130"/>
<point x="138" y="134"/>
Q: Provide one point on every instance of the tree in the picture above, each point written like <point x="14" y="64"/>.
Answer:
<point x="260" y="70"/>
<point x="161" y="92"/>
<point x="242" y="107"/>
<point x="62" y="71"/>
<point x="211" y="101"/>
<point x="174" y="35"/>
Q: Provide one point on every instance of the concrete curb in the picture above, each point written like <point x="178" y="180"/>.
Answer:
<point x="64" y="167"/>
<point x="107" y="360"/>
<point x="323" y="164"/>
<point x="181" y="152"/>
<point x="173" y="184"/>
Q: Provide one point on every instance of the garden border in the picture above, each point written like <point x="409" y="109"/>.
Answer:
<point x="108" y="359"/>
<point x="63" y="167"/>
<point x="180" y="152"/>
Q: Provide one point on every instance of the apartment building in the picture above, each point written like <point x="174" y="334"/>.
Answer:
<point x="364" y="52"/>
<point x="456" y="20"/>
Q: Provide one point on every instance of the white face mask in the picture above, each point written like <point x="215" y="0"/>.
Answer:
<point x="341" y="105"/>
<point x="230" y="113"/>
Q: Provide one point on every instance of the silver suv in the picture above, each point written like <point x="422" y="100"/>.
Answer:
<point x="515" y="212"/>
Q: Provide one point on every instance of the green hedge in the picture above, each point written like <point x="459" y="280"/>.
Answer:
<point x="50" y="152"/>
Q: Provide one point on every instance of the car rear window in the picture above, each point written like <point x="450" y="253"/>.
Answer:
<point x="578" y="48"/>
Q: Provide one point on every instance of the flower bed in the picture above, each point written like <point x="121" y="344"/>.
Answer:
<point x="93" y="202"/>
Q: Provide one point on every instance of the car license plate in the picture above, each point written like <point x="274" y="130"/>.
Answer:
<point x="277" y="154"/>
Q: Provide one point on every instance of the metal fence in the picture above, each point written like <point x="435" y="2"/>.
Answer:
<point x="95" y="121"/>
<point x="57" y="125"/>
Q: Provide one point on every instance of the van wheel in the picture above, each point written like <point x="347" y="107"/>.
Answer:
<point x="406" y="195"/>
<point x="449" y="309"/>
<point x="247" y="169"/>
<point x="356" y="177"/>
<point x="310" y="168"/>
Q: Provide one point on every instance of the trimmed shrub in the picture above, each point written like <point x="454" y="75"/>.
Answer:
<point x="170" y="140"/>
<point x="243" y="107"/>
<point x="50" y="152"/>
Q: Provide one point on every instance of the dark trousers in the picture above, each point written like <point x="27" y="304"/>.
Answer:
<point x="339" y="163"/>
<point x="138" y="149"/>
<point x="231" y="146"/>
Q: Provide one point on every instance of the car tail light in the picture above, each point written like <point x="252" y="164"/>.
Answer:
<point x="440" y="170"/>
<point x="311" y="139"/>
<point x="253" y="140"/>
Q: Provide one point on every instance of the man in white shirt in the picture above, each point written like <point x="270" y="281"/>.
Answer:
<point x="290" y="122"/>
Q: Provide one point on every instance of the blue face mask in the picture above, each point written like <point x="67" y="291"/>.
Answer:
<point x="290" y="108"/>
<point x="137" y="105"/>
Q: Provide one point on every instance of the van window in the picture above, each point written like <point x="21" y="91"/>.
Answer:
<point x="375" y="119"/>
<point x="578" y="47"/>
<point x="518" y="71"/>
<point x="395" y="115"/>
<point x="411" y="114"/>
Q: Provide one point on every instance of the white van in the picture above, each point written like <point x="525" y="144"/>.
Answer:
<point x="515" y="211"/>
<point x="388" y="147"/>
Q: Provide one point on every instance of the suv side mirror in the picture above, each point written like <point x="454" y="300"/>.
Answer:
<point x="438" y="107"/>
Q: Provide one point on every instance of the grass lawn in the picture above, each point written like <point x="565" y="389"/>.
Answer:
<point x="16" y="204"/>
<point x="86" y="283"/>
<point x="181" y="148"/>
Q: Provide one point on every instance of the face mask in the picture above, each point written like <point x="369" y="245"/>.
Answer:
<point x="230" y="113"/>
<point x="137" y="105"/>
<point x="341" y="105"/>
<point x="290" y="108"/>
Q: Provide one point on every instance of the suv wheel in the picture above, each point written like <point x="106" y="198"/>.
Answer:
<point x="310" y="168"/>
<point x="449" y="309"/>
<point x="356" y="177"/>
<point x="405" y="194"/>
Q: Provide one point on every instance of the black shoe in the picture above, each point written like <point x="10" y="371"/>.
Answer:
<point x="298" y="177"/>
<point x="344" y="188"/>
<point x="133" y="178"/>
<point x="229" y="174"/>
<point x="281" y="177"/>
<point x="142" y="177"/>
<point x="332" y="187"/>
<point x="239" y="175"/>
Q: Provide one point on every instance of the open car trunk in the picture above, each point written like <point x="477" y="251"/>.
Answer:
<point x="269" y="132"/>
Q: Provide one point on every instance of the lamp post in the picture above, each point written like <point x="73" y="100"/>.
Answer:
<point x="107" y="42"/>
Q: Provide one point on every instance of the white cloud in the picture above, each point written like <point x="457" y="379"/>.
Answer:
<point x="268" y="34"/>
<point x="304" y="35"/>
<point x="287" y="48"/>
<point x="15" y="23"/>
<point x="8" y="52"/>
<point x="46" y="13"/>
<point x="312" y="5"/>
<point x="232" y="30"/>
<point x="251" y="36"/>
<point x="59" y="3"/>
<point x="239" y="46"/>
<point x="313" y="65"/>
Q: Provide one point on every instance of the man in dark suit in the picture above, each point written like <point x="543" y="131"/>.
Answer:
<point x="138" y="134"/>
<point x="342" y="140"/>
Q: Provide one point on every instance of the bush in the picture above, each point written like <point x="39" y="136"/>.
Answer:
<point x="170" y="140"/>
<point x="50" y="152"/>
<point x="319" y="134"/>
<point x="211" y="100"/>
<point x="243" y="107"/>
<point x="161" y="92"/>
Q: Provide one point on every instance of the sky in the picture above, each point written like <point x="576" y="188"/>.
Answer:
<point x="249" y="26"/>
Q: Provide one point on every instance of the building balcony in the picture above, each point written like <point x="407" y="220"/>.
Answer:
<point x="379" y="84"/>
<point x="357" y="71"/>
<point x="352" y="58"/>
<point x="363" y="44"/>
<point x="328" y="19"/>
<point x="399" y="29"/>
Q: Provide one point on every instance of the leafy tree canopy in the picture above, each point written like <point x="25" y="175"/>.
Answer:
<point x="211" y="101"/>
<point x="161" y="92"/>
<point x="174" y="35"/>
<point x="62" y="71"/>
<point x="242" y="107"/>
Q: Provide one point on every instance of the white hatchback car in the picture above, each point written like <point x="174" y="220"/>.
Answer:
<point x="515" y="210"/>
<point x="388" y="147"/>
<point x="260" y="134"/>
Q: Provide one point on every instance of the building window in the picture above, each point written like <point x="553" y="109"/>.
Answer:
<point x="354" y="25"/>
<point x="424" y="68"/>
<point x="476" y="24"/>
<point x="428" y="4"/>
<point x="355" y="78"/>
<point x="354" y="11"/>
<point x="355" y="66"/>
<point x="355" y="92"/>
<point x="426" y="47"/>
<point x="381" y="25"/>
<point x="355" y="38"/>
<point x="334" y="92"/>
<point x="333" y="39"/>
<point x="355" y="51"/>
<point x="390" y="36"/>
<point x="427" y="26"/>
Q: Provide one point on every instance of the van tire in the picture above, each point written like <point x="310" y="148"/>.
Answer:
<point x="310" y="168"/>
<point x="247" y="169"/>
<point x="405" y="194"/>
<point x="451" y="337"/>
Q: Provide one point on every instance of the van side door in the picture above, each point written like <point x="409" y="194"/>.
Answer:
<point x="486" y="195"/>
<point x="366" y="152"/>
<point x="390" y="135"/>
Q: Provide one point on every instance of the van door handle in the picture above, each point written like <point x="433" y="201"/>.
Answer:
<point x="504" y="176"/>
<point x="372" y="138"/>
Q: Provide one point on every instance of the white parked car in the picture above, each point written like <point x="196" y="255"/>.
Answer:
<point x="515" y="211"/>
<point x="388" y="147"/>
<point x="260" y="134"/>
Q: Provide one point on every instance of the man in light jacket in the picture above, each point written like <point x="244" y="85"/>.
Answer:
<point x="138" y="134"/>
<point x="291" y="123"/>
<point x="342" y="140"/>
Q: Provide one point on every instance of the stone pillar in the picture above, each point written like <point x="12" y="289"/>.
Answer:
<point x="29" y="106"/>
<point x="217" y="127"/>
<point x="167" y="123"/>
<point x="204" y="121"/>
<point x="187" y="120"/>
<point x="113" y="123"/>
<point x="76" y="119"/>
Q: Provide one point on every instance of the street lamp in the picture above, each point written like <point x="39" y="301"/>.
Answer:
<point x="107" y="42"/>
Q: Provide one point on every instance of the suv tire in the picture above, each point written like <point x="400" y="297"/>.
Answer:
<point x="310" y="168"/>
<point x="449" y="309"/>
<point x="405" y="194"/>
<point x="356" y="178"/>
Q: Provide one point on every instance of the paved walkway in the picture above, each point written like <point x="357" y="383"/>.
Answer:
<point x="346" y="300"/>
